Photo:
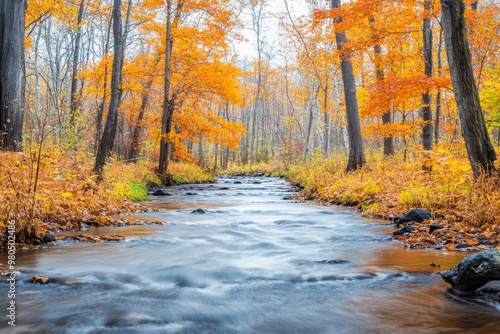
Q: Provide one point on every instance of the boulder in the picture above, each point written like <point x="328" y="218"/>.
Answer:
<point x="416" y="215"/>
<point x="435" y="227"/>
<point x="191" y="194"/>
<point x="160" y="192"/>
<point x="287" y="198"/>
<point x="484" y="242"/>
<point x="259" y="174"/>
<point x="404" y="230"/>
<point x="199" y="210"/>
<point x="492" y="287"/>
<point x="237" y="182"/>
<point x="48" y="238"/>
<point x="474" y="271"/>
<point x="39" y="279"/>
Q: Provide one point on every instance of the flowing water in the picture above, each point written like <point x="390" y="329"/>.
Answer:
<point x="254" y="263"/>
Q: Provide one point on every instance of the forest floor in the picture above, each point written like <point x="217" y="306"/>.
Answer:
<point x="440" y="182"/>
<point x="60" y="192"/>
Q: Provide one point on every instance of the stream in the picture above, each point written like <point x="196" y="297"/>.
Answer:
<point x="254" y="263"/>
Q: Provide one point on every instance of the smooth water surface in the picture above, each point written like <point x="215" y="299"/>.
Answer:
<point x="255" y="263"/>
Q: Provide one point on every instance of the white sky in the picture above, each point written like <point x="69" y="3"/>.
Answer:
<point x="273" y="9"/>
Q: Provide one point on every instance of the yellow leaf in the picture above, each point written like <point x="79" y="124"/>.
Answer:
<point x="458" y="227"/>
<point x="67" y="195"/>
<point x="451" y="248"/>
<point x="41" y="198"/>
<point x="429" y="163"/>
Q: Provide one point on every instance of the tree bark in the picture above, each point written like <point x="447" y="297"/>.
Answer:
<point x="438" y="96"/>
<point x="427" y="130"/>
<point x="356" y="151"/>
<point x="74" y="80"/>
<point x="134" y="145"/>
<point x="100" y="110"/>
<point x="386" y="117"/>
<point x="477" y="141"/>
<point x="109" y="133"/>
<point x="12" y="73"/>
<point x="168" y="101"/>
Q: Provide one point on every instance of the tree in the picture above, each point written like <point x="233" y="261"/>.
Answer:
<point x="356" y="151"/>
<point x="426" y="96"/>
<point x="386" y="117"/>
<point x="477" y="141"/>
<point x="74" y="80"/>
<point x="168" y="99"/>
<point x="108" y="136"/>
<point x="12" y="73"/>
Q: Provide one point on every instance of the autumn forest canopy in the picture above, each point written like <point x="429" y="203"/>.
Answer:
<point x="220" y="82"/>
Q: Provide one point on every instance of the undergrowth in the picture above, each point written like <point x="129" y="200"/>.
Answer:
<point x="53" y="189"/>
<point x="440" y="181"/>
<point x="272" y="168"/>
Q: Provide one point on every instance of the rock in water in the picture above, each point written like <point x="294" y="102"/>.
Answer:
<point x="40" y="279"/>
<point x="404" y="230"/>
<point x="474" y="271"/>
<point x="48" y="238"/>
<point x="416" y="215"/>
<point x="161" y="192"/>
<point x="199" y="210"/>
<point x="491" y="288"/>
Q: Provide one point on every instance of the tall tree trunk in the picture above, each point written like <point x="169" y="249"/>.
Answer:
<point x="477" y="141"/>
<point x="124" y="45"/>
<point x="386" y="117"/>
<point x="134" y="145"/>
<point x="168" y="101"/>
<point x="12" y="73"/>
<point x="438" y="96"/>
<point x="356" y="151"/>
<point x="109" y="133"/>
<point x="74" y="80"/>
<point x="100" y="110"/>
<point x="307" y="152"/>
<point x="426" y="97"/>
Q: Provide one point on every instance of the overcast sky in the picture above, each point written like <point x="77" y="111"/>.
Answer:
<point x="273" y="10"/>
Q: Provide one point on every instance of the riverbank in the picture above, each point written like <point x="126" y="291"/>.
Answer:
<point x="59" y="191"/>
<point x="252" y="263"/>
<point x="440" y="182"/>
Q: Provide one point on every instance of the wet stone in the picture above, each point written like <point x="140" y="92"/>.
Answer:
<point x="492" y="287"/>
<point x="404" y="230"/>
<point x="435" y="227"/>
<point x="161" y="192"/>
<point x="474" y="271"/>
<point x="199" y="211"/>
<point x="40" y="279"/>
<point x="416" y="215"/>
